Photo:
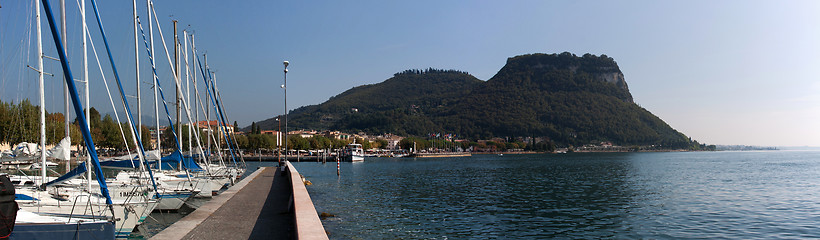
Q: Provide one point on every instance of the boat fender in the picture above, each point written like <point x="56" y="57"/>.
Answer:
<point x="8" y="207"/>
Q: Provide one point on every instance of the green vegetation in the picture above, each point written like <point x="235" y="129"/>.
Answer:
<point x="563" y="98"/>
<point x="21" y="123"/>
<point x="168" y="138"/>
<point x="295" y="142"/>
<point x="401" y="104"/>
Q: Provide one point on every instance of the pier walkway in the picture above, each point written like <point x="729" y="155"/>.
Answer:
<point x="258" y="207"/>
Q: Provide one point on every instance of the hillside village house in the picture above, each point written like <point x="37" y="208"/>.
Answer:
<point x="303" y="133"/>
<point x="338" y="135"/>
<point x="210" y="126"/>
<point x="270" y="132"/>
<point x="205" y="126"/>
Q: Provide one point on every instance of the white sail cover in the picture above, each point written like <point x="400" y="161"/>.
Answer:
<point x="152" y="155"/>
<point x="25" y="149"/>
<point x="62" y="151"/>
<point x="196" y="151"/>
<point x="7" y="154"/>
<point x="149" y="155"/>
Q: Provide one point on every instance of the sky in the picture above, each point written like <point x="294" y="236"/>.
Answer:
<point x="721" y="72"/>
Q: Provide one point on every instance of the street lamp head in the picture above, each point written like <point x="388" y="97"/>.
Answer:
<point x="286" y="63"/>
<point x="286" y="70"/>
<point x="282" y="86"/>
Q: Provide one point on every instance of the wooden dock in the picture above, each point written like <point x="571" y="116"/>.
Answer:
<point x="271" y="203"/>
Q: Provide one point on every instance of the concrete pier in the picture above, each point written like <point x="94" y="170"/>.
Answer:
<point x="261" y="206"/>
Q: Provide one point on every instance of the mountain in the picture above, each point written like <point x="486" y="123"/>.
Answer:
<point x="397" y="105"/>
<point x="568" y="99"/>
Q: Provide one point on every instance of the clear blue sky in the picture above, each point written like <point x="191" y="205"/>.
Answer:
<point x="722" y="72"/>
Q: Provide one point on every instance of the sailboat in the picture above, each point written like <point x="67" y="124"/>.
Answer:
<point x="211" y="177"/>
<point x="60" y="203"/>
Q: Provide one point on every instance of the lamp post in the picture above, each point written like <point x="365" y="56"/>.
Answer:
<point x="279" y="142"/>
<point x="285" y="86"/>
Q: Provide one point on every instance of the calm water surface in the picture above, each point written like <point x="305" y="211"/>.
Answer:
<point x="736" y="195"/>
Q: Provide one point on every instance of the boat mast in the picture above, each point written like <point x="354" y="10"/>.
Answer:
<point x="78" y="108"/>
<point x="229" y="137"/>
<point x="207" y="108"/>
<point x="191" y="119"/>
<point x="285" y="87"/>
<point x="178" y="75"/>
<point x="42" y="96"/>
<point x="219" y="122"/>
<point x="187" y="86"/>
<point x="196" y="91"/>
<point x="153" y="68"/>
<point x="65" y="85"/>
<point x="137" y="142"/>
<point x="206" y="153"/>
<point x="137" y="71"/>
<point x="87" y="92"/>
<point x="156" y="91"/>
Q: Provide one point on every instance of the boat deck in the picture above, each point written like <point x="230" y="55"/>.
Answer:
<point x="255" y="208"/>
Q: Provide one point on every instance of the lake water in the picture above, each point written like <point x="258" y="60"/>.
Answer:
<point x="736" y="195"/>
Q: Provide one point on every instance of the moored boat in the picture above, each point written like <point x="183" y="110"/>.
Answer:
<point x="353" y="153"/>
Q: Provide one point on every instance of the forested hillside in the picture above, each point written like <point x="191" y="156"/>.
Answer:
<point x="568" y="99"/>
<point x="402" y="104"/>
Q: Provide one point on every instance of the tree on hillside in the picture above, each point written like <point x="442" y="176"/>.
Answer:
<point x="407" y="143"/>
<point x="109" y="133"/>
<point x="381" y="143"/>
<point x="146" y="138"/>
<point x="298" y="142"/>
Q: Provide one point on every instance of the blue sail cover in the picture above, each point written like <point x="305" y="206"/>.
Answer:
<point x="77" y="171"/>
<point x="172" y="162"/>
<point x="121" y="164"/>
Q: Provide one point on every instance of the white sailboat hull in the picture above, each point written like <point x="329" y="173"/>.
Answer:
<point x="76" y="203"/>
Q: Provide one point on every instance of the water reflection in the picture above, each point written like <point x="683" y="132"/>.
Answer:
<point x="482" y="196"/>
<point x="618" y="195"/>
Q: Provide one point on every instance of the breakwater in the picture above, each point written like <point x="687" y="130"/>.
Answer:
<point x="270" y="203"/>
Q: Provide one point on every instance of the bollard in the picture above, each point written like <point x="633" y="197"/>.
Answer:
<point x="338" y="167"/>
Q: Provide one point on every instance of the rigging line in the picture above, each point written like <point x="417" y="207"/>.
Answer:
<point x="188" y="111"/>
<point x="218" y="112"/>
<point x="202" y="104"/>
<point x="208" y="87"/>
<point x="232" y="135"/>
<point x="159" y="87"/>
<point x="197" y="103"/>
<point x="111" y="99"/>
<point x="77" y="104"/>
<point x="164" y="103"/>
<point x="138" y="141"/>
<point x="207" y="117"/>
<point x="229" y="138"/>
<point x="221" y="117"/>
<point x="17" y="49"/>
<point x="176" y="78"/>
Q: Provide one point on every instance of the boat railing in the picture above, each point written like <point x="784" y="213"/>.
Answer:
<point x="87" y="206"/>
